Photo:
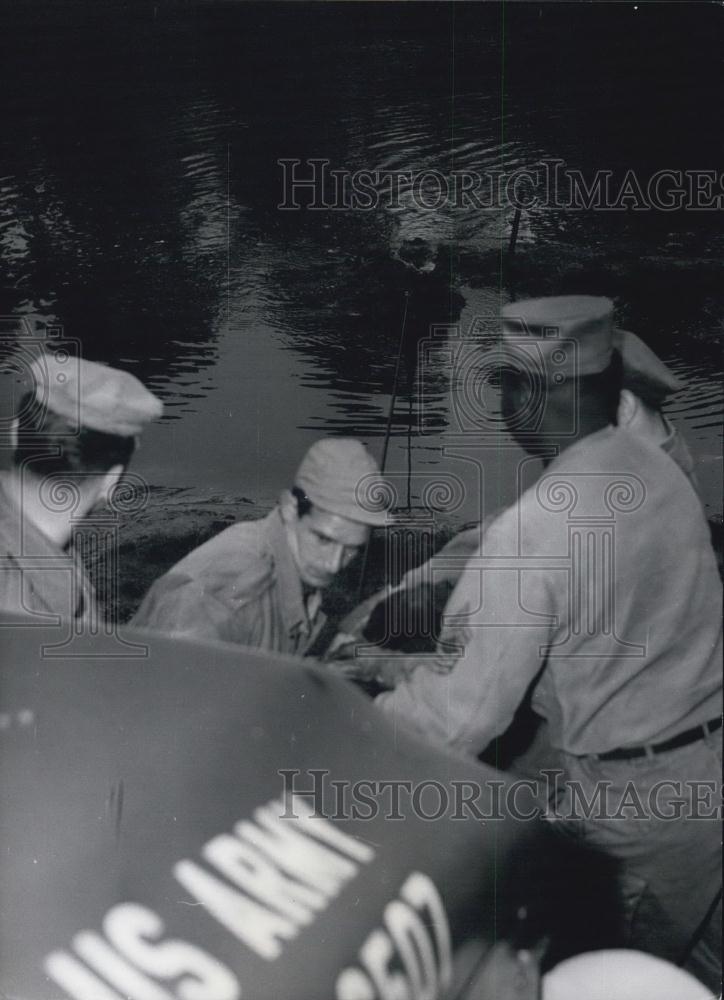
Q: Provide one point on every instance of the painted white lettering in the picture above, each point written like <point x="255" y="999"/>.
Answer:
<point x="128" y="980"/>
<point x="322" y="829"/>
<point x="353" y="984"/>
<point x="376" y="954"/>
<point x="415" y="947"/>
<point x="135" y="930"/>
<point x="251" y="871"/>
<point x="420" y="892"/>
<point x="76" y="980"/>
<point x="261" y="930"/>
<point x="295" y="853"/>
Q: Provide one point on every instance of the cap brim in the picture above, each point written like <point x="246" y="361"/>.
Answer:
<point x="353" y="512"/>
<point x="641" y="362"/>
<point x="373" y="520"/>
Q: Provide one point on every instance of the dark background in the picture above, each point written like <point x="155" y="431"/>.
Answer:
<point x="139" y="187"/>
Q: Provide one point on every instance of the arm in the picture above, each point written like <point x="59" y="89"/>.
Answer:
<point x="436" y="570"/>
<point x="178" y="605"/>
<point x="496" y="661"/>
<point x="449" y="562"/>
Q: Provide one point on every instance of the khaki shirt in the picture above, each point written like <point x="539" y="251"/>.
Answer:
<point x="601" y="583"/>
<point x="241" y="586"/>
<point x="675" y="446"/>
<point x="450" y="561"/>
<point x="36" y="577"/>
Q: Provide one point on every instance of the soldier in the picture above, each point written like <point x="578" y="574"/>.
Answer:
<point x="74" y="435"/>
<point x="647" y="382"/>
<point x="613" y="616"/>
<point x="260" y="583"/>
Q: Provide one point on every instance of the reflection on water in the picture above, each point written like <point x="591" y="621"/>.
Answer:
<point x="139" y="193"/>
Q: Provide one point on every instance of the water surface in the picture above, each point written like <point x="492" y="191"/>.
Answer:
<point x="139" y="187"/>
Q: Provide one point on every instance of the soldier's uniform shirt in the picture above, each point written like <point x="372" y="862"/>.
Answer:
<point x="513" y="612"/>
<point x="533" y="616"/>
<point x="38" y="578"/>
<point x="450" y="560"/>
<point x="675" y="446"/>
<point x="241" y="586"/>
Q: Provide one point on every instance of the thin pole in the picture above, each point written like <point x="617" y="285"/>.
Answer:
<point x="514" y="231"/>
<point x="394" y="387"/>
<point x="388" y="433"/>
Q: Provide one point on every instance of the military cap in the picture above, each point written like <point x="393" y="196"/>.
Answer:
<point x="341" y="476"/>
<point x="620" y="974"/>
<point x="574" y="335"/>
<point x="639" y="361"/>
<point x="93" y="395"/>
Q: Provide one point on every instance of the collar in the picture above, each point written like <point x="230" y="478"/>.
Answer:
<point x="31" y="549"/>
<point x="293" y="607"/>
<point x="27" y="538"/>
<point x="676" y="448"/>
<point x="581" y="445"/>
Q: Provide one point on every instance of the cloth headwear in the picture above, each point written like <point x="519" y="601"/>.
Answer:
<point x="573" y="335"/>
<point x="639" y="361"/>
<point x="620" y="974"/>
<point x="92" y="395"/>
<point x="340" y="476"/>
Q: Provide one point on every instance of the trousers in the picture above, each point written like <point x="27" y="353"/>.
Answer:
<point x="659" y="818"/>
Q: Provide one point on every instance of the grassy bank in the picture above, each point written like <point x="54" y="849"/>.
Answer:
<point x="172" y="523"/>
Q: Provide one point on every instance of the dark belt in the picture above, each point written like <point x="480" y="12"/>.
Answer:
<point x="682" y="740"/>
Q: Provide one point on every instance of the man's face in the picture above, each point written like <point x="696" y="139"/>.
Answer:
<point x="519" y="413"/>
<point x="323" y="544"/>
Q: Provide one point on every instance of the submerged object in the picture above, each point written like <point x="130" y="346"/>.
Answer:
<point x="417" y="254"/>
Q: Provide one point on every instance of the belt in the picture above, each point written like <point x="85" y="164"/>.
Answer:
<point x="682" y="740"/>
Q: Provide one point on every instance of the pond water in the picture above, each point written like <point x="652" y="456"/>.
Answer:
<point x="139" y="193"/>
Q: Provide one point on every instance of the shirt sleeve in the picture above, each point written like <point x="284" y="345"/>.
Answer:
<point x="497" y="624"/>
<point x="11" y="588"/>
<point x="181" y="606"/>
<point x="447" y="564"/>
<point x="459" y="549"/>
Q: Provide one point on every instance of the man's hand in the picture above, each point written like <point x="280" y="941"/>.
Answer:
<point x="386" y="669"/>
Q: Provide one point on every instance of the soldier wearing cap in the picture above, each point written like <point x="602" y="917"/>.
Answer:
<point x="73" y="436"/>
<point x="260" y="583"/>
<point x="647" y="382"/>
<point x="599" y="590"/>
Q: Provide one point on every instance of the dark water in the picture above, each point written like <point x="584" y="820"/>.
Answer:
<point x="139" y="187"/>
